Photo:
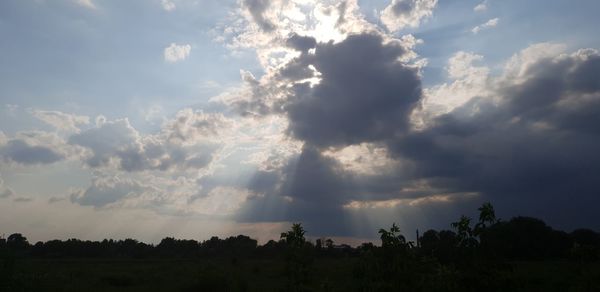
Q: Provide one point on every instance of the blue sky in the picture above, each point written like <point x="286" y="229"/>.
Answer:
<point x="191" y="118"/>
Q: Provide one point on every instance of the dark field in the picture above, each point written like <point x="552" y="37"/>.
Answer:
<point x="337" y="274"/>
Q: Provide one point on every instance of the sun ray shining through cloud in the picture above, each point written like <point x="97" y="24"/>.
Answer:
<point x="193" y="118"/>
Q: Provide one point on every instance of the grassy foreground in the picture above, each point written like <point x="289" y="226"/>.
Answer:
<point x="335" y="274"/>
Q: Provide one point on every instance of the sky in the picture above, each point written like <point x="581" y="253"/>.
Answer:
<point x="192" y="118"/>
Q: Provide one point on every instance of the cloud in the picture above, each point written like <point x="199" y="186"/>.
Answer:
<point x="364" y="92"/>
<point x="5" y="191"/>
<point x="53" y="200"/>
<point x="22" y="152"/>
<point x="185" y="142"/>
<point x="364" y="72"/>
<point x="265" y="26"/>
<point x="86" y="3"/>
<point x="257" y="9"/>
<point x="190" y="126"/>
<point x="61" y="121"/>
<point x="439" y="150"/>
<point x="394" y="203"/>
<point x="469" y="80"/>
<point x="30" y="148"/>
<point x="488" y="24"/>
<point x="22" y="200"/>
<point x="107" y="190"/>
<point x="406" y="13"/>
<point x="110" y="139"/>
<point x="481" y="6"/>
<point x="175" y="53"/>
<point x="167" y="5"/>
<point x="220" y="201"/>
<point x="3" y="139"/>
<point x="163" y="195"/>
<point x="529" y="144"/>
<point x="523" y="139"/>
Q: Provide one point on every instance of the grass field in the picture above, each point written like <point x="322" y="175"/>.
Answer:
<point x="254" y="275"/>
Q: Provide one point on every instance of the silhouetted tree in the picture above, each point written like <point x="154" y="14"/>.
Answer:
<point x="295" y="237"/>
<point x="464" y="232"/>
<point x="329" y="243"/>
<point x="298" y="258"/>
<point x="487" y="217"/>
<point x="17" y="241"/>
<point x="429" y="242"/>
<point x="392" y="238"/>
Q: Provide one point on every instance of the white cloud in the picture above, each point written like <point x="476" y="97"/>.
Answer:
<point x="406" y="13"/>
<point x="86" y="3"/>
<point x="175" y="53"/>
<point x="61" y="121"/>
<point x="519" y="63"/>
<point x="481" y="7"/>
<point x="106" y="191"/>
<point x="186" y="142"/>
<point x="264" y="28"/>
<point x="468" y="81"/>
<point x="490" y="23"/>
<point x="168" y="5"/>
<point x="394" y="203"/>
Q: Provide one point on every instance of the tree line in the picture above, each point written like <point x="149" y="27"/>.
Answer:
<point x="520" y="238"/>
<point x="473" y="255"/>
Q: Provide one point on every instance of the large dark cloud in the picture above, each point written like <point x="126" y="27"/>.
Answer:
<point x="530" y="150"/>
<point x="533" y="153"/>
<point x="365" y="93"/>
<point x="313" y="188"/>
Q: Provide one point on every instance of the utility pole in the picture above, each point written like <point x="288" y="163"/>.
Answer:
<point x="418" y="240"/>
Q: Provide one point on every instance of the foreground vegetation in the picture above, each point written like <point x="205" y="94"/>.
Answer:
<point x="522" y="254"/>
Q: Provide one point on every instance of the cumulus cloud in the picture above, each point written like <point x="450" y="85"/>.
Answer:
<point x="107" y="190"/>
<point x="481" y="6"/>
<point x="406" y="13"/>
<point x="364" y="92"/>
<point x="469" y="80"/>
<point x="189" y="126"/>
<point x="22" y="152"/>
<point x="265" y="26"/>
<point x="185" y="142"/>
<point x="257" y="10"/>
<point x="488" y="24"/>
<point x="180" y="196"/>
<point x="30" y="148"/>
<point x="533" y="146"/>
<point x="168" y="5"/>
<point x="61" y="121"/>
<point x="364" y="73"/>
<point x="374" y="140"/>
<point x="517" y="138"/>
<point x="175" y="53"/>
